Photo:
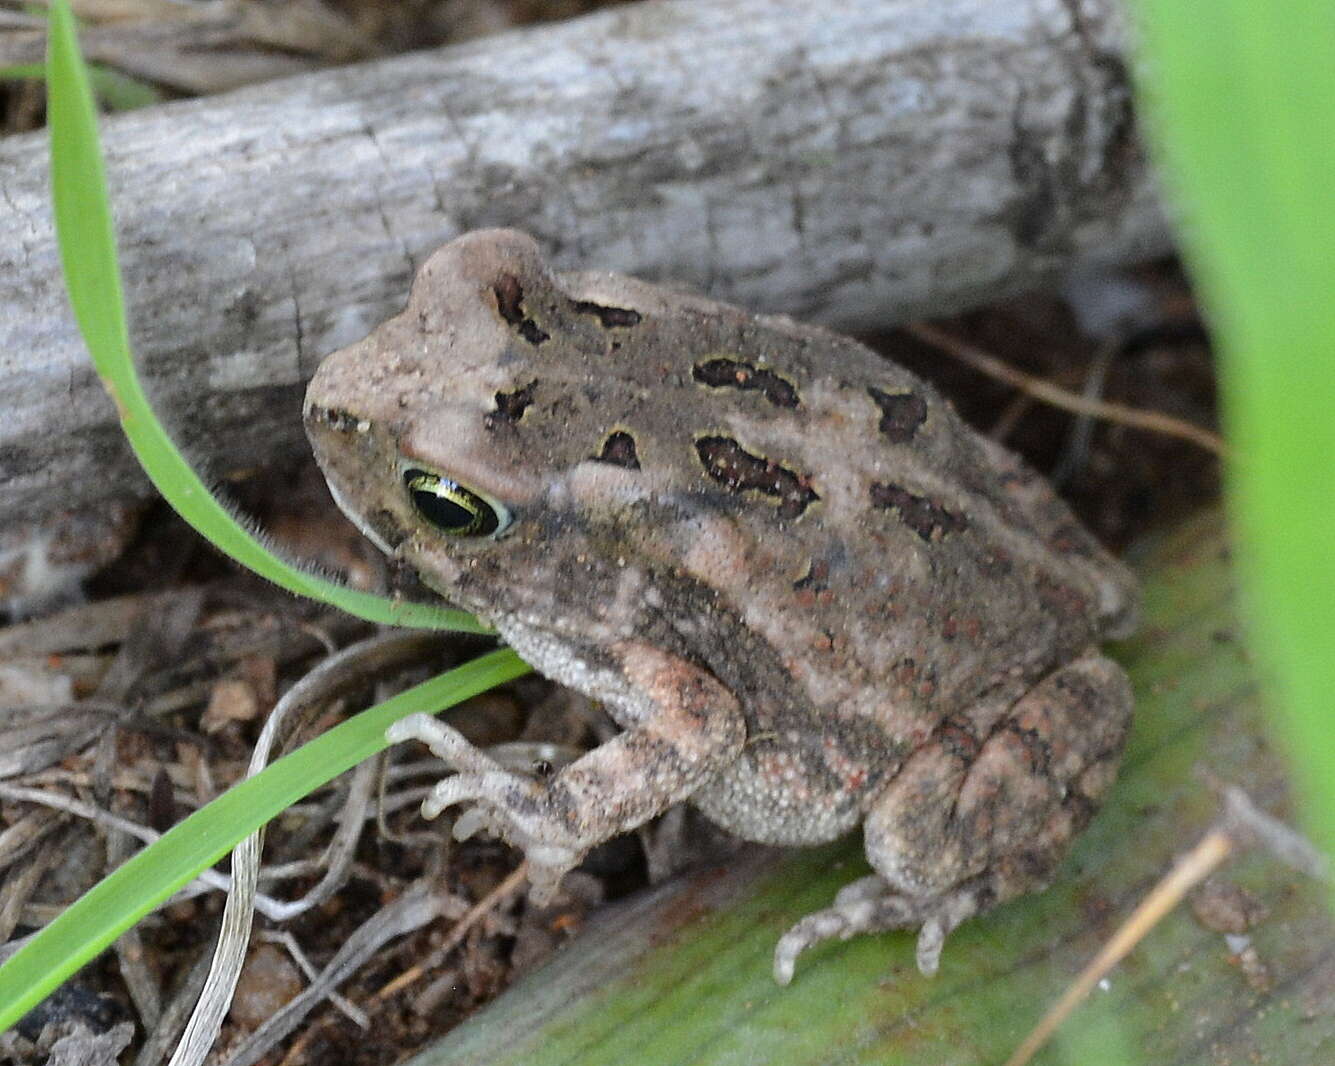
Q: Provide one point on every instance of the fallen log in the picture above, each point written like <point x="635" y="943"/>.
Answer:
<point x="853" y="164"/>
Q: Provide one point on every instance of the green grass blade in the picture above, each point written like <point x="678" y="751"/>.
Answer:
<point x="23" y="72"/>
<point x="118" y="91"/>
<point x="88" y="255"/>
<point x="1242" y="98"/>
<point x="93" y="921"/>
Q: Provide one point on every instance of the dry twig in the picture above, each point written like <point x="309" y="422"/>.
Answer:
<point x="348" y="667"/>
<point x="476" y="913"/>
<point x="1047" y="392"/>
<point x="1241" y="826"/>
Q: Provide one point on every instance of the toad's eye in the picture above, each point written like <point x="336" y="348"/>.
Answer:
<point x="454" y="509"/>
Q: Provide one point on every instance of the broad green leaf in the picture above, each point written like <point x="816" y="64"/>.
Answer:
<point x="1241" y="98"/>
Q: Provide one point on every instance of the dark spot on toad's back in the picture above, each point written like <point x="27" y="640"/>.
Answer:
<point x="619" y="450"/>
<point x="510" y="406"/>
<point x="931" y="521"/>
<point x="608" y="317"/>
<point x="1079" y="809"/>
<point x="509" y="298"/>
<point x="816" y="578"/>
<point x="510" y="303"/>
<point x="901" y="414"/>
<point x="731" y="465"/>
<point x="735" y="374"/>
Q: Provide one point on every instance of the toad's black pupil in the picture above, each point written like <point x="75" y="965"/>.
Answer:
<point x="449" y="506"/>
<point x="442" y="512"/>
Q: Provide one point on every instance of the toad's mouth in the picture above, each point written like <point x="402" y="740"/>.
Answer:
<point x="364" y="526"/>
<point x="345" y="447"/>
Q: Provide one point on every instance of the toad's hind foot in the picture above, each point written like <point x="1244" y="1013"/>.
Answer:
<point x="972" y="820"/>
<point x="869" y="905"/>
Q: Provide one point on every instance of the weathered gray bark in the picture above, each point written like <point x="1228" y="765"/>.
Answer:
<point x="851" y="163"/>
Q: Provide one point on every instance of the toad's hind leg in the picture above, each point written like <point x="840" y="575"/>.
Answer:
<point x="970" y="822"/>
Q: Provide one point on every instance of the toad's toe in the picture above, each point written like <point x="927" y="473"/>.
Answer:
<point x="869" y="905"/>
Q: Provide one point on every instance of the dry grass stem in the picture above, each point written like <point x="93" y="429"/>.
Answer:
<point x="476" y="913"/>
<point x="308" y="696"/>
<point x="1190" y="871"/>
<point x="1047" y="392"/>
<point x="1242" y="826"/>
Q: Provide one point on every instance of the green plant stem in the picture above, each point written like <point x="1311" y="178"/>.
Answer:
<point x="92" y="275"/>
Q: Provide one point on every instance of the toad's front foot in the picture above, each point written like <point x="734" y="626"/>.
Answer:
<point x="521" y="810"/>
<point x="869" y="905"/>
<point x="682" y="726"/>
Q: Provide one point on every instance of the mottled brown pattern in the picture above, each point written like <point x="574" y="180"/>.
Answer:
<point x="386" y="527"/>
<point x="818" y="573"/>
<point x="737" y="374"/>
<point x="619" y="450"/>
<point x="901" y="414"/>
<point x="808" y="593"/>
<point x="728" y="463"/>
<point x="510" y="406"/>
<point x="337" y="421"/>
<point x="608" y="317"/>
<point x="931" y="521"/>
<point x="956" y="738"/>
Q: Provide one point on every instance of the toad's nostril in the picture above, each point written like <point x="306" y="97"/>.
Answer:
<point x="340" y="421"/>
